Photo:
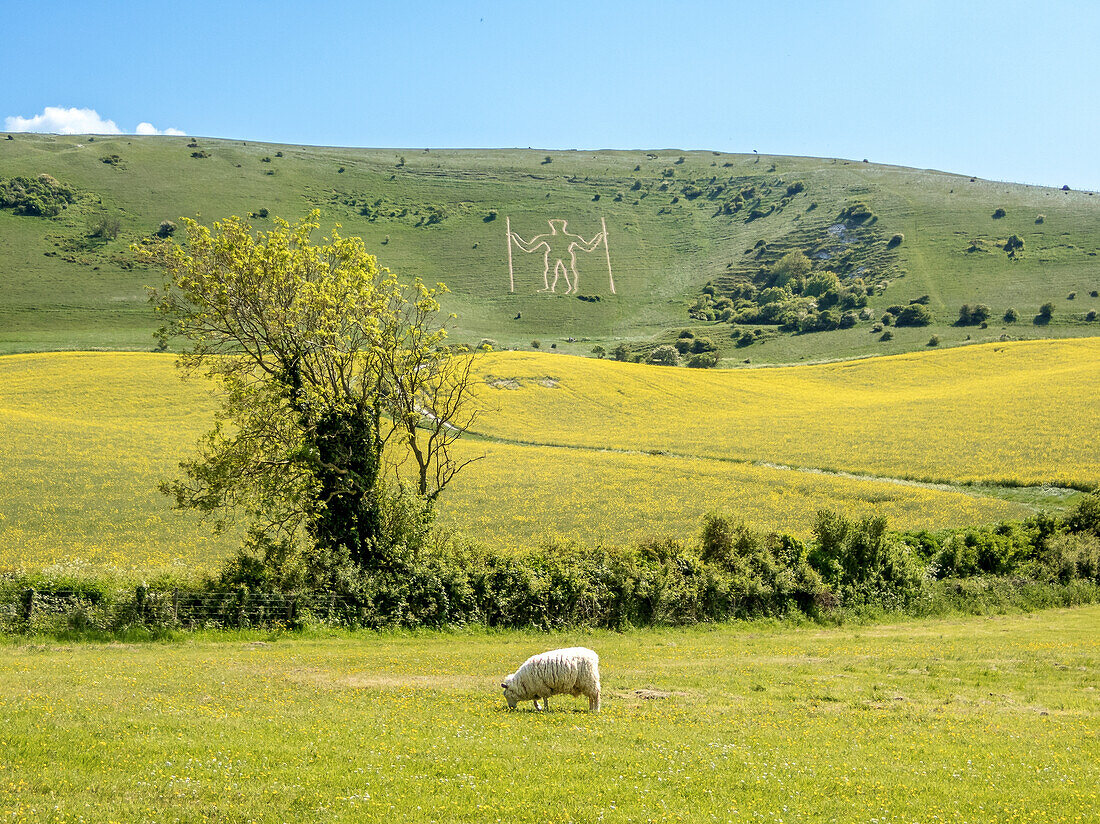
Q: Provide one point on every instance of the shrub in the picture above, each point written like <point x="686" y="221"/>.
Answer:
<point x="265" y="159"/>
<point x="1094" y="294"/>
<point x="111" y="160"/>
<point x="895" y="241"/>
<point x="599" y="351"/>
<point x="664" y="356"/>
<point x="703" y="360"/>
<point x="915" y="314"/>
<point x="973" y="315"/>
<point x="999" y="213"/>
<point x="702" y="345"/>
<point x="934" y="340"/>
<point x="1011" y="316"/>
<point x="1071" y="296"/>
<point x="278" y="154"/>
<point x="746" y="338"/>
<point x="340" y="171"/>
<point x="535" y="344"/>
<point x="42" y="196"/>
<point x="1090" y="315"/>
<point x="1040" y="218"/>
<point x="1046" y="311"/>
<point x="887" y="318"/>
<point x="491" y="216"/>
<point x="104" y="226"/>
<point x="887" y="335"/>
<point x="200" y="155"/>
<point x="1014" y="244"/>
<point x="166" y="229"/>
<point x="547" y="159"/>
<point x="620" y="352"/>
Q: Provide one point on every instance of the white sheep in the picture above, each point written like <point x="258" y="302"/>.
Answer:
<point x="573" y="671"/>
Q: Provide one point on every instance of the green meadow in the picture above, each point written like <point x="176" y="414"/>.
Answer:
<point x="442" y="215"/>
<point x="975" y="719"/>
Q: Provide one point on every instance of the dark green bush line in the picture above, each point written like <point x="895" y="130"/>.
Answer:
<point x="849" y="568"/>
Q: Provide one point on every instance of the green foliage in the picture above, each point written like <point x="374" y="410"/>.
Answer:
<point x="1011" y="315"/>
<point x="1014" y="245"/>
<point x="324" y="358"/>
<point x="104" y="226"/>
<point x="895" y="241"/>
<point x="166" y="229"/>
<point x="664" y="356"/>
<point x="999" y="213"/>
<point x="862" y="562"/>
<point x="934" y="340"/>
<point x="973" y="315"/>
<point x="1046" y="311"/>
<point x="42" y="196"/>
<point x="915" y="314"/>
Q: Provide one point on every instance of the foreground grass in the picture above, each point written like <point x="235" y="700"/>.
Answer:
<point x="978" y="719"/>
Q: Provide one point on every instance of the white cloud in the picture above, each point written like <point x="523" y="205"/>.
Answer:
<point x="149" y="128"/>
<point x="57" y="120"/>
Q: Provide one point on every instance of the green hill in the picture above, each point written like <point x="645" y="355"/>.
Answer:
<point x="690" y="236"/>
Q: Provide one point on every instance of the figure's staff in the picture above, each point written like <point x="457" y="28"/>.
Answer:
<point x="511" y="277"/>
<point x="607" y="250"/>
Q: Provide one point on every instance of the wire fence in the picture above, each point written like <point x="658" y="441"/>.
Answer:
<point x="31" y="610"/>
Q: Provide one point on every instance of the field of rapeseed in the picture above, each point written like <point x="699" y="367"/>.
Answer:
<point x="85" y="438"/>
<point x="1013" y="412"/>
<point x="991" y="719"/>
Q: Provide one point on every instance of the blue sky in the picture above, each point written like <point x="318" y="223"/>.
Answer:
<point x="1003" y="90"/>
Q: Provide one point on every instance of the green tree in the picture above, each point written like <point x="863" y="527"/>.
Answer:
<point x="334" y="378"/>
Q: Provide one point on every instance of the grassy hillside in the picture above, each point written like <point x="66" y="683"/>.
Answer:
<point x="676" y="221"/>
<point x="574" y="449"/>
<point x="990" y="719"/>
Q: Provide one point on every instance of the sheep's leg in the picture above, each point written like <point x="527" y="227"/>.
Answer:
<point x="537" y="707"/>
<point x="546" y="703"/>
<point x="594" y="703"/>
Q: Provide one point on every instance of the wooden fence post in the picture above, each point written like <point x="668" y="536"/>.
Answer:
<point x="28" y="604"/>
<point x="176" y="605"/>
<point x="139" y="600"/>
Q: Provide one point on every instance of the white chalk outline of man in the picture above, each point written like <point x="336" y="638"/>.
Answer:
<point x="560" y="269"/>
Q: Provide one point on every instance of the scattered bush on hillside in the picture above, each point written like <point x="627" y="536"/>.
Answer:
<point x="1094" y="294"/>
<point x="111" y="160"/>
<point x="664" y="356"/>
<point x="934" y="340"/>
<point x="1090" y="315"/>
<point x="1011" y="316"/>
<point x="973" y="315"/>
<point x="704" y="360"/>
<point x="1014" y="245"/>
<point x="915" y="314"/>
<point x="621" y="352"/>
<point x="599" y="351"/>
<point x="265" y="159"/>
<point x="1071" y="296"/>
<point x="895" y="241"/>
<point x="999" y="213"/>
<point x="103" y="226"/>
<point x="856" y="213"/>
<point x="200" y="155"/>
<point x="1040" y="218"/>
<point x="1046" y="311"/>
<point x="166" y="229"/>
<point x="42" y="196"/>
<point x="490" y="217"/>
<point x="887" y="335"/>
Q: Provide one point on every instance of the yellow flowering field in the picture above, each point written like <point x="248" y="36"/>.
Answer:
<point x="991" y="719"/>
<point x="516" y="495"/>
<point x="1025" y="412"/>
<point x="84" y="440"/>
<point x="86" y="437"/>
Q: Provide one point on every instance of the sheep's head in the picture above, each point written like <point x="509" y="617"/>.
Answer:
<point x="510" y="694"/>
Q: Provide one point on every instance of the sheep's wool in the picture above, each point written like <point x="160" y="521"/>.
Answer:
<point x="572" y="671"/>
